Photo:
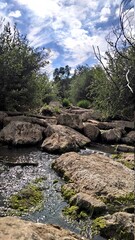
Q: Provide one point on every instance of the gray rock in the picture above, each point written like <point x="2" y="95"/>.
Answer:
<point x="125" y="148"/>
<point x="96" y="175"/>
<point x="112" y="135"/>
<point x="62" y="138"/>
<point x="17" y="229"/>
<point x="71" y="120"/>
<point x="129" y="138"/>
<point x="21" y="133"/>
<point x="88" y="203"/>
<point x="91" y="131"/>
<point x="120" y="226"/>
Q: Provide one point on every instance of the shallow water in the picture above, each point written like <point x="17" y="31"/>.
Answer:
<point x="12" y="179"/>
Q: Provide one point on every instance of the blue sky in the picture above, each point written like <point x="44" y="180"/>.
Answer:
<point x="68" y="28"/>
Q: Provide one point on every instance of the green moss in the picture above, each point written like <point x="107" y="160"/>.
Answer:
<point x="67" y="192"/>
<point x="97" y="225"/>
<point x="40" y="179"/>
<point x="116" y="156"/>
<point x="119" y="203"/>
<point x="72" y="211"/>
<point x="128" y="164"/>
<point x="83" y="215"/>
<point x="27" y="199"/>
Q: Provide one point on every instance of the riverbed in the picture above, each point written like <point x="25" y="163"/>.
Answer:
<point x="13" y="179"/>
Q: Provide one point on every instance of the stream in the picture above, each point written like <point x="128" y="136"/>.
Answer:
<point x="12" y="179"/>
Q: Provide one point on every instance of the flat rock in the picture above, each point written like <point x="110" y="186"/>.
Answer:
<point x="125" y="148"/>
<point x="17" y="229"/>
<point x="34" y="120"/>
<point x="96" y="175"/>
<point x="21" y="133"/>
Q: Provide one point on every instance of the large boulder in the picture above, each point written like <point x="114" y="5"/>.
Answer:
<point x="95" y="175"/>
<point x="21" y="133"/>
<point x="62" y="138"/>
<point x="70" y="120"/>
<point x="58" y="143"/>
<point x="129" y="138"/>
<point x="17" y="229"/>
<point x="112" y="135"/>
<point x="91" y="131"/>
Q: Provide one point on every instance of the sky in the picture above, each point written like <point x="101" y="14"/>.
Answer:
<point x="67" y="28"/>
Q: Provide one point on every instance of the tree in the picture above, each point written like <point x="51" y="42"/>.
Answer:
<point x="61" y="77"/>
<point x="120" y="63"/>
<point x="20" y="65"/>
<point x="80" y="84"/>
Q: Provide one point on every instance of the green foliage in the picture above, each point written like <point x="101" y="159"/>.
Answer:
<point x="19" y="69"/>
<point x="80" y="84"/>
<point x="71" y="211"/>
<point x="44" y="90"/>
<point x="83" y="104"/>
<point x="67" y="192"/>
<point x="119" y="203"/>
<point x="97" y="225"/>
<point x="66" y="102"/>
<point x="30" y="197"/>
<point x="46" y="110"/>
<point x="61" y="77"/>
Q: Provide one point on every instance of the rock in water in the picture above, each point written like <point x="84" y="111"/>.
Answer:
<point x="17" y="229"/>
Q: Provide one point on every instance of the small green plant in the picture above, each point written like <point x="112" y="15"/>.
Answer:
<point x="97" y="225"/>
<point x="27" y="199"/>
<point x="57" y="110"/>
<point x="67" y="192"/>
<point x="83" y="104"/>
<point x="46" y="110"/>
<point x="66" y="102"/>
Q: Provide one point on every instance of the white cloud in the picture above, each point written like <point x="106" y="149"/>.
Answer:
<point x="71" y="24"/>
<point x="42" y="8"/>
<point x="3" y="5"/>
<point x="105" y="12"/>
<point x="15" y="14"/>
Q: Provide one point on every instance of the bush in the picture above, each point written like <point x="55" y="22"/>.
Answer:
<point x="46" y="110"/>
<point x="83" y="104"/>
<point x="66" y="102"/>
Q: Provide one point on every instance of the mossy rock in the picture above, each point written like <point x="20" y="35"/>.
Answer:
<point x="30" y="198"/>
<point x="120" y="157"/>
<point x="119" y="203"/>
<point x="110" y="231"/>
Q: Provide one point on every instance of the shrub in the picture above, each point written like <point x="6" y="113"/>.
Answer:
<point x="66" y="102"/>
<point x="83" y="104"/>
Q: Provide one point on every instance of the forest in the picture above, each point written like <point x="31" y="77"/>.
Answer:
<point x="108" y="86"/>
